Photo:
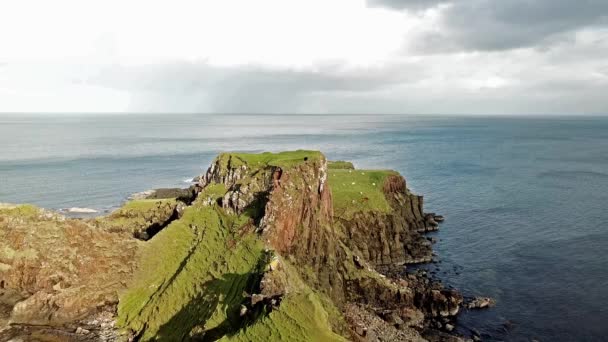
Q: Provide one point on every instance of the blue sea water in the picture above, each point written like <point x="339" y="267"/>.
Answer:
<point x="525" y="199"/>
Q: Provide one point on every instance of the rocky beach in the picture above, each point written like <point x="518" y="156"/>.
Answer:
<point x="270" y="246"/>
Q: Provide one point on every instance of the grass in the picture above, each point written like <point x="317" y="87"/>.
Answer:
<point x="193" y="272"/>
<point x="304" y="315"/>
<point x="144" y="204"/>
<point x="340" y="165"/>
<point x="136" y="216"/>
<point x="281" y="159"/>
<point x="24" y="211"/>
<point x="358" y="191"/>
<point x="212" y="192"/>
<point x="192" y="277"/>
<point x="301" y="317"/>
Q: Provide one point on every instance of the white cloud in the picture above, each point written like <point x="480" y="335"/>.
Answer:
<point x="229" y="32"/>
<point x="289" y="56"/>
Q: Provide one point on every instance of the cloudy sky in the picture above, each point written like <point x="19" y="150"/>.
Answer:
<point x="312" y="56"/>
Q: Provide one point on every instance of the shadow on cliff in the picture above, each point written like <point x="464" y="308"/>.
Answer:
<point x="257" y="208"/>
<point x="223" y="294"/>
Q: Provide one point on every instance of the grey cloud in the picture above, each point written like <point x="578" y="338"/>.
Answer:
<point x="503" y="24"/>
<point x="406" y="4"/>
<point x="499" y="25"/>
<point x="200" y="87"/>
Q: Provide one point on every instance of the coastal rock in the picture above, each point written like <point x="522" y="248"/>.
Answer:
<point x="481" y="303"/>
<point x="183" y="195"/>
<point x="68" y="269"/>
<point x="82" y="331"/>
<point x="368" y="326"/>
<point x="263" y="243"/>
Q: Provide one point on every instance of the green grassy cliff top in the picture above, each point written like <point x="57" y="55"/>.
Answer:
<point x="358" y="191"/>
<point x="282" y="159"/>
<point x="340" y="165"/>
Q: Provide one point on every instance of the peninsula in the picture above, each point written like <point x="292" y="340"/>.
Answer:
<point x="262" y="247"/>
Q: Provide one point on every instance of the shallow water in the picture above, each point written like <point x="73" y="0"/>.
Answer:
<point x="525" y="199"/>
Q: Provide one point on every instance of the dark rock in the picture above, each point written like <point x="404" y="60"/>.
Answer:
<point x="357" y="261"/>
<point x="183" y="195"/>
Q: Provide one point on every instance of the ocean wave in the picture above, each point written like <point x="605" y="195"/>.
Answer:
<point x="77" y="210"/>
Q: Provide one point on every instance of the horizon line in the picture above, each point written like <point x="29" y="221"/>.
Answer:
<point x="311" y="114"/>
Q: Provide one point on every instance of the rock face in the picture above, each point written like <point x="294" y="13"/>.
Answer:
<point x="299" y="221"/>
<point x="394" y="239"/>
<point x="54" y="270"/>
<point x="265" y="246"/>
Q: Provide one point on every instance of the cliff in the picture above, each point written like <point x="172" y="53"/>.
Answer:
<point x="271" y="246"/>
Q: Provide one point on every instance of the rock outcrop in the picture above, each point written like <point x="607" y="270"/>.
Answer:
<point x="55" y="271"/>
<point x="264" y="247"/>
<point x="142" y="218"/>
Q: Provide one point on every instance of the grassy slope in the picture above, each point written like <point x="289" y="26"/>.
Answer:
<point x="211" y="193"/>
<point x="358" y="190"/>
<point x="304" y="315"/>
<point x="340" y="165"/>
<point x="25" y="214"/>
<point x="193" y="271"/>
<point x="144" y="205"/>
<point x="192" y="279"/>
<point x="25" y="211"/>
<point x="137" y="215"/>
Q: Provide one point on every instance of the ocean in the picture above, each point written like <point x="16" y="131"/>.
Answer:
<point x="525" y="199"/>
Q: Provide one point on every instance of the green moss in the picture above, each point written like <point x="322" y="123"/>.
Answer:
<point x="191" y="281"/>
<point x="212" y="192"/>
<point x="358" y="190"/>
<point x="303" y="315"/>
<point x="193" y="273"/>
<point x="300" y="317"/>
<point x="144" y="205"/>
<point x="340" y="165"/>
<point x="136" y="216"/>
<point x="282" y="159"/>
<point x="24" y="211"/>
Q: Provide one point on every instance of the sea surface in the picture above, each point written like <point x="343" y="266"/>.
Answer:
<point x="525" y="199"/>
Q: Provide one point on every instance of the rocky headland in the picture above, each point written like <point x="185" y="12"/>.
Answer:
<point x="264" y="247"/>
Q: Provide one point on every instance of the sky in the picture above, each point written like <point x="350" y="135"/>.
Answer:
<point x="315" y="56"/>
